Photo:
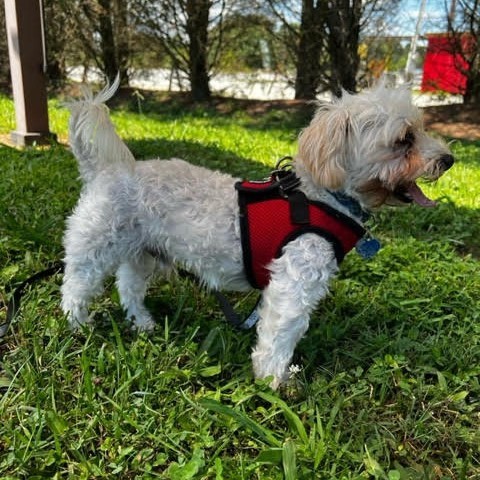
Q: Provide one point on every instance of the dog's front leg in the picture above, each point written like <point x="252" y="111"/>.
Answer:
<point x="299" y="280"/>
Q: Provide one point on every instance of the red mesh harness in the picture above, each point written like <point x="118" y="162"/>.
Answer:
<point x="275" y="212"/>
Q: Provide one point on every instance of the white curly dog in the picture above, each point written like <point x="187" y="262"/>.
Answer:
<point x="135" y="218"/>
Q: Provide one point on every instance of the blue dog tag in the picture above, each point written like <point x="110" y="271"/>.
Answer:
<point x="367" y="247"/>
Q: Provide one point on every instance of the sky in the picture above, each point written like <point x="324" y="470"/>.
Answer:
<point x="433" y="19"/>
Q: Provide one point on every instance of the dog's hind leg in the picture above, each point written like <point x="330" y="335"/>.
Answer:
<point x="82" y="280"/>
<point x="132" y="283"/>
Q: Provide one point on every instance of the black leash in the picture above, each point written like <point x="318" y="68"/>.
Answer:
<point x="232" y="317"/>
<point x="13" y="305"/>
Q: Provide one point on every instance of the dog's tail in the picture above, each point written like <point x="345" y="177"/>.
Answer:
<point x="92" y="135"/>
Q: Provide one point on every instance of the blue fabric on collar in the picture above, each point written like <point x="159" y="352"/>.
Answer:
<point x="367" y="247"/>
<point x="352" y="205"/>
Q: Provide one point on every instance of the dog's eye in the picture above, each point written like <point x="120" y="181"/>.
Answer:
<point x="407" y="140"/>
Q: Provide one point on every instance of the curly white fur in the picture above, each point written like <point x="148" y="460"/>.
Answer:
<point x="135" y="219"/>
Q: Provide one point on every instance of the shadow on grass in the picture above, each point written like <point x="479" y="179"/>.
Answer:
<point x="199" y="154"/>
<point x="255" y="114"/>
<point x="423" y="308"/>
<point x="287" y="118"/>
<point x="38" y="190"/>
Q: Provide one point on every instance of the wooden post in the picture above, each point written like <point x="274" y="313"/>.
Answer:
<point x="26" y="52"/>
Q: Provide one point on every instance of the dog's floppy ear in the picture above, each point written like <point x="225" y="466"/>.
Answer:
<point x="322" y="146"/>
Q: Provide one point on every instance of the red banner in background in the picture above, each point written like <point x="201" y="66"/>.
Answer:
<point x="445" y="66"/>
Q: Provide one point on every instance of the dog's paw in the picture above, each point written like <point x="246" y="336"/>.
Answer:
<point x="77" y="317"/>
<point x="265" y="368"/>
<point x="143" y="323"/>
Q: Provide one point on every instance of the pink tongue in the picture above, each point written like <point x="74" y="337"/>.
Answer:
<point x="419" y="197"/>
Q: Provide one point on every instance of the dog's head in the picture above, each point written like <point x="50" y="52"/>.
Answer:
<point x="372" y="146"/>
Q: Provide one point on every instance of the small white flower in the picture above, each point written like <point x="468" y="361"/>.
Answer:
<point x="293" y="370"/>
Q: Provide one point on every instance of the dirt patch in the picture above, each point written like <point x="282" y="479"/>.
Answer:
<point x="455" y="121"/>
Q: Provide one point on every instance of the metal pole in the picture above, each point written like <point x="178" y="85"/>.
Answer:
<point x="413" y="44"/>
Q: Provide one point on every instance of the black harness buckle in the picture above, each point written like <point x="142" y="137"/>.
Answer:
<point x="285" y="177"/>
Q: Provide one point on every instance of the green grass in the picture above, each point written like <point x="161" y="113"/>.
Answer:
<point x="389" y="387"/>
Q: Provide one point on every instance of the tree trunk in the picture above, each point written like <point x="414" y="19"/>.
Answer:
<point x="107" y="40"/>
<point x="472" y="90"/>
<point x="343" y="36"/>
<point x="309" y="50"/>
<point x="197" y="30"/>
<point x="55" y="27"/>
<point x="472" y="57"/>
<point x="111" y="23"/>
<point x="122" y="34"/>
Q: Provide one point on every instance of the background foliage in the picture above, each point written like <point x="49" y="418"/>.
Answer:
<point x="319" y="46"/>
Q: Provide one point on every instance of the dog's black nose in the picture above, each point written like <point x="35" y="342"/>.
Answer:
<point x="446" y="161"/>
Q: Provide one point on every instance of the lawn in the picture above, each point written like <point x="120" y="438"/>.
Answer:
<point x="389" y="382"/>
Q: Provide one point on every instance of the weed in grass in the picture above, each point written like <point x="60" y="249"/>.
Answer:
<point x="389" y="383"/>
